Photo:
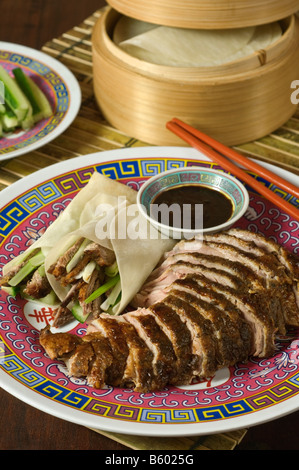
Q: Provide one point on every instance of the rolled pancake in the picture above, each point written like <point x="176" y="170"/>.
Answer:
<point x="71" y="219"/>
<point x="137" y="245"/>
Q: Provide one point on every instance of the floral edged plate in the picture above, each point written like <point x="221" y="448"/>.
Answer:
<point x="61" y="88"/>
<point x="237" y="397"/>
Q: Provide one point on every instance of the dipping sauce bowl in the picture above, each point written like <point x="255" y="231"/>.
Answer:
<point x="193" y="201"/>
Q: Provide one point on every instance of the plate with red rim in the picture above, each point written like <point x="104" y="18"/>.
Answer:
<point x="59" y="85"/>
<point x="241" y="396"/>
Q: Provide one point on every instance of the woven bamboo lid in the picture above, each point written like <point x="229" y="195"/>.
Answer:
<point x="207" y="14"/>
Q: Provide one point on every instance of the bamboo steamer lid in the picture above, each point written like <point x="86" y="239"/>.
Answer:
<point x="235" y="103"/>
<point x="207" y="14"/>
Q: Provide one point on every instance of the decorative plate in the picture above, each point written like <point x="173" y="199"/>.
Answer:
<point x="238" y="397"/>
<point x="59" y="85"/>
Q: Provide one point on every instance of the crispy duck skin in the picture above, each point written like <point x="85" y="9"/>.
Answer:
<point x="179" y="335"/>
<point x="58" y="345"/>
<point x="208" y="305"/>
<point x="101" y="360"/>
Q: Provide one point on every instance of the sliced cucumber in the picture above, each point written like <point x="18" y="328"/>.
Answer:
<point x="9" y="120"/>
<point x="14" y="97"/>
<point x="113" y="309"/>
<point x="112" y="270"/>
<point x="42" y="270"/>
<point x="112" y="298"/>
<point x="77" y="312"/>
<point x="74" y="260"/>
<point x="102" y="289"/>
<point x="28" y="121"/>
<point x="11" y="290"/>
<point x="22" y="96"/>
<point x="22" y="274"/>
<point x="29" y="266"/>
<point x="50" y="299"/>
<point x="37" y="259"/>
<point x="23" y="82"/>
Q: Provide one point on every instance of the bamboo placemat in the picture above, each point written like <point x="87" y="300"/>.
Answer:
<point x="90" y="133"/>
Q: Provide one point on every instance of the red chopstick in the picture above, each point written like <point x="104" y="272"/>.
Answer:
<point x="194" y="138"/>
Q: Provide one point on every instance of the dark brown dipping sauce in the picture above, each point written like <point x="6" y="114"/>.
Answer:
<point x="217" y="208"/>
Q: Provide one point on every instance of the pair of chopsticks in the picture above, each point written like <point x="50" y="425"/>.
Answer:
<point x="216" y="151"/>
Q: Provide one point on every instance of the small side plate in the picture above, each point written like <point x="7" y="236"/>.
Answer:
<point x="61" y="88"/>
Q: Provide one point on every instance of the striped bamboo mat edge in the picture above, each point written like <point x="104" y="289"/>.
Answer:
<point x="223" y="441"/>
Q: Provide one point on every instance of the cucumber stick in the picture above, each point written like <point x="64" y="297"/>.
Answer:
<point x="9" y="120"/>
<point x="25" y="103"/>
<point x="14" y="97"/>
<point x="38" y="259"/>
<point x="103" y="288"/>
<point x="112" y="298"/>
<point x="22" y="274"/>
<point x="23" y="82"/>
<point x="78" y="313"/>
<point x="112" y="270"/>
<point x="11" y="290"/>
<point x="31" y="265"/>
<point x="41" y="107"/>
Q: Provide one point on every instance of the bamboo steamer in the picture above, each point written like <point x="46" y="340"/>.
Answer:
<point x="208" y="14"/>
<point x="235" y="103"/>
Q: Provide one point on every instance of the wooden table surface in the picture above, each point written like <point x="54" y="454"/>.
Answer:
<point x="33" y="23"/>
